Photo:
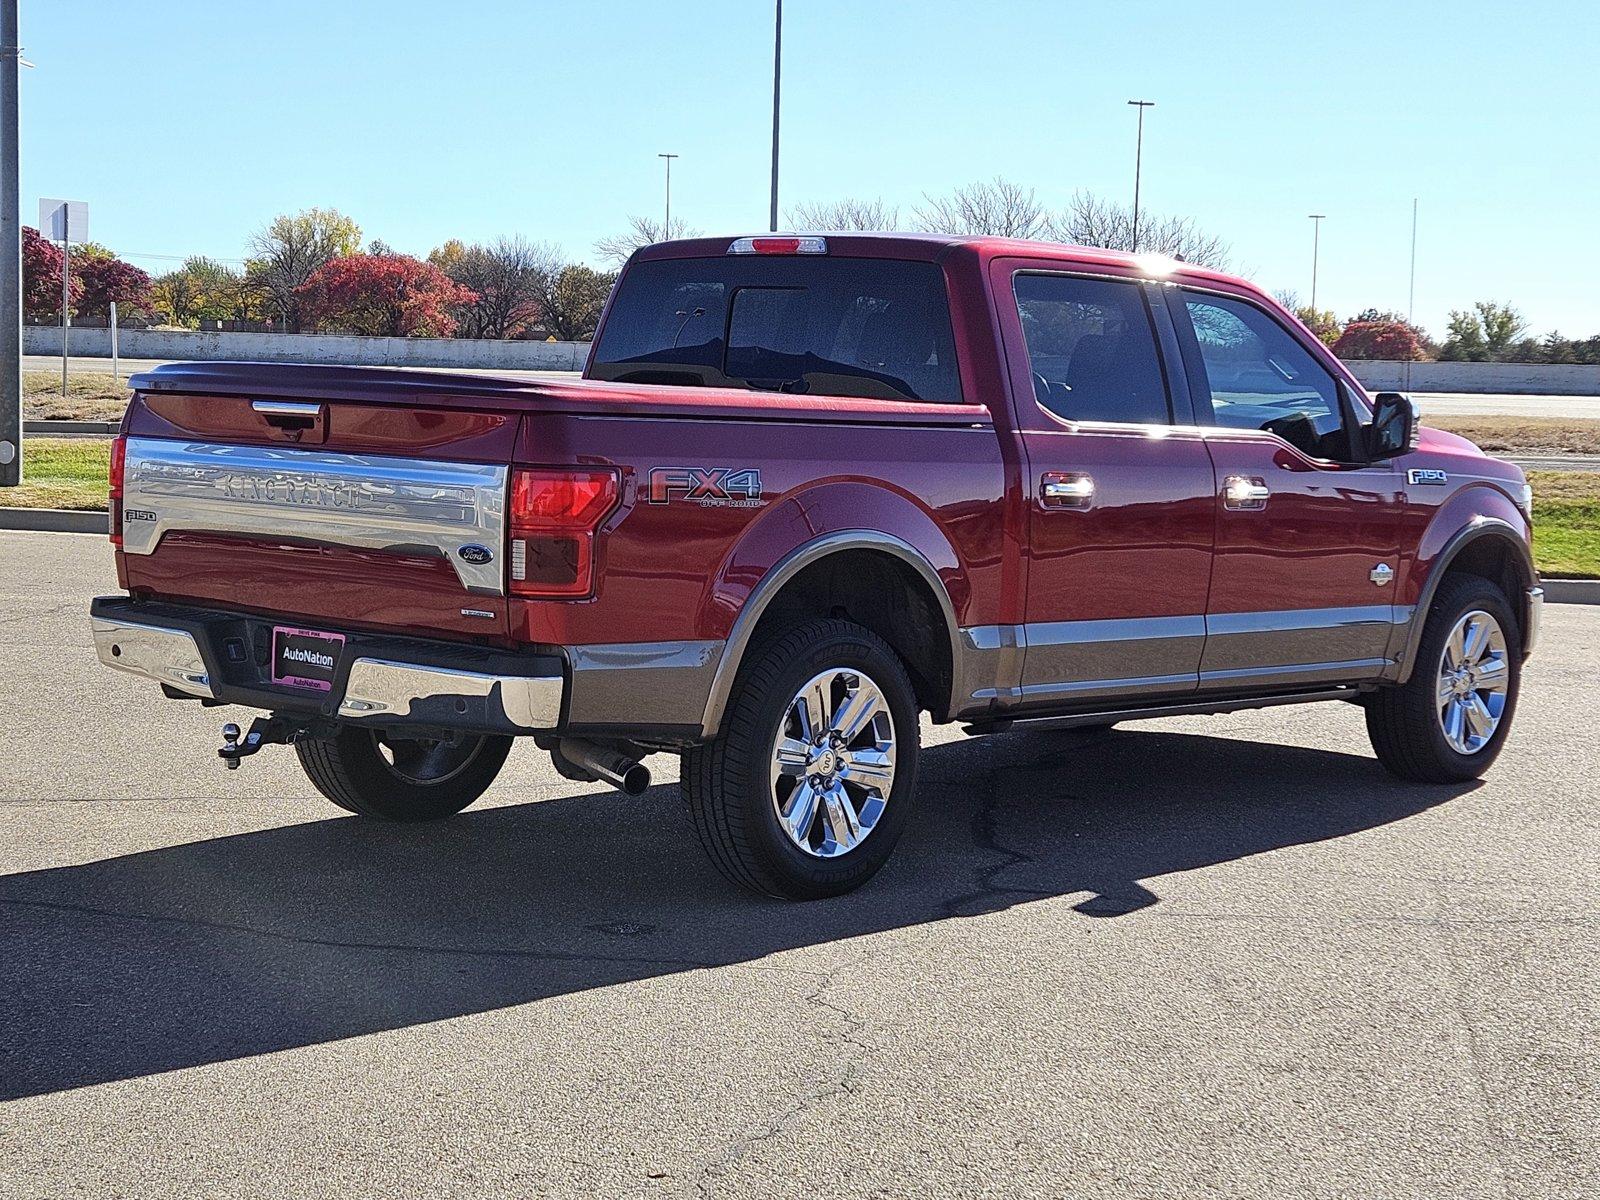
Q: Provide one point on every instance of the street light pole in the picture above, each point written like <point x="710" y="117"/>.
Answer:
<point x="666" y="229"/>
<point x="1138" y="165"/>
<point x="10" y="255"/>
<point x="1316" y="248"/>
<point x="777" y="93"/>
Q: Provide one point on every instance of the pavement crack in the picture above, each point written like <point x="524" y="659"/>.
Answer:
<point x="842" y="1026"/>
<point x="987" y="894"/>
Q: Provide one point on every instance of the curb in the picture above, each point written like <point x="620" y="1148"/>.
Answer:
<point x="56" y="520"/>
<point x="71" y="428"/>
<point x="1571" y="591"/>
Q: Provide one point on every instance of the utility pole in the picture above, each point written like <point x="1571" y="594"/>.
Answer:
<point x="1316" y="247"/>
<point x="666" y="229"/>
<point x="777" y="94"/>
<point x="1138" y="165"/>
<point x="10" y="255"/>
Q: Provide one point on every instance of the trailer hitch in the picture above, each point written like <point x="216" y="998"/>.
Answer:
<point x="264" y="731"/>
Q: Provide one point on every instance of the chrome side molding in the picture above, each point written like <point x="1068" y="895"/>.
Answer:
<point x="364" y="501"/>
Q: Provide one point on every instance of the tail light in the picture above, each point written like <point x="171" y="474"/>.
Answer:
<point x="119" y="467"/>
<point x="554" y="515"/>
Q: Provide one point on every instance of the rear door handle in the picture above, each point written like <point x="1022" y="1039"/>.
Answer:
<point x="1066" y="489"/>
<point x="1245" y="493"/>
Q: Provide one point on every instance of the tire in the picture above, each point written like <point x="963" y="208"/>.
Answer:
<point x="759" y="770"/>
<point x="374" y="774"/>
<point x="1408" y="722"/>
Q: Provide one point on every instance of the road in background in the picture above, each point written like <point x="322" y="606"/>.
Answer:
<point x="1161" y="961"/>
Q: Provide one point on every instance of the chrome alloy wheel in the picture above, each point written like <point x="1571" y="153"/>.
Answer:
<point x="1474" y="681"/>
<point x="833" y="763"/>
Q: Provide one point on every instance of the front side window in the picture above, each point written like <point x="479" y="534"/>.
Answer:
<point x="1092" y="350"/>
<point x="803" y="325"/>
<point x="1260" y="377"/>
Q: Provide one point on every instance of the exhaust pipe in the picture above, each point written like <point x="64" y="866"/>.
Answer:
<point x="626" y="774"/>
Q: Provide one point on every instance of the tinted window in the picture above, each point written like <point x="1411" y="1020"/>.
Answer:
<point x="1260" y="377"/>
<point x="1091" y="349"/>
<point x="801" y="324"/>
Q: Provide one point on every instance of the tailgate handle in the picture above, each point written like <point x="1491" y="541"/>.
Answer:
<point x="295" y="418"/>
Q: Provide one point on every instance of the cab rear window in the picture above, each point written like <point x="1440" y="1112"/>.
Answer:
<point x="802" y="325"/>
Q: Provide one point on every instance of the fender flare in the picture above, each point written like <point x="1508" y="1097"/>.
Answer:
<point x="787" y="568"/>
<point x="1480" y="527"/>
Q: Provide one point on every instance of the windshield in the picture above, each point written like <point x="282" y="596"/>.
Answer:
<point x="799" y="324"/>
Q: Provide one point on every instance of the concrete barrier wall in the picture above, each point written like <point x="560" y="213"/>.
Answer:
<point x="1484" y="378"/>
<point x="326" y="349"/>
<point x="1533" y="379"/>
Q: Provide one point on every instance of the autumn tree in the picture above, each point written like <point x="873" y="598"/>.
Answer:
<point x="642" y="231"/>
<point x="203" y="289"/>
<point x="289" y="251"/>
<point x="41" y="279"/>
<point x="846" y="214"/>
<point x="998" y="208"/>
<point x="106" y="280"/>
<point x="1388" y="340"/>
<point x="571" y="300"/>
<point x="391" y="295"/>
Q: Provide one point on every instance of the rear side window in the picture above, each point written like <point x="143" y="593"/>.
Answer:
<point x="803" y="325"/>
<point x="1092" y="350"/>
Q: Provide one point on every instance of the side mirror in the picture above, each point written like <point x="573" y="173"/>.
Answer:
<point x="1394" y="426"/>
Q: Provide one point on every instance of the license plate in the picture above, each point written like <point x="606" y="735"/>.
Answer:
<point x="304" y="658"/>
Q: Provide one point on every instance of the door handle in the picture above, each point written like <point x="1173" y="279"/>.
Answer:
<point x="1245" y="493"/>
<point x="1066" y="489"/>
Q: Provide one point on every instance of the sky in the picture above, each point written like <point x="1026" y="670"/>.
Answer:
<point x="186" y="126"/>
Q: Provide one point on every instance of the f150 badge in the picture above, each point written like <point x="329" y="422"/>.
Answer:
<point x="709" y="487"/>
<point x="1417" y="477"/>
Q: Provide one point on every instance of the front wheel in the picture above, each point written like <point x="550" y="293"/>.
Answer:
<point x="1447" y="723"/>
<point x="377" y="774"/>
<point x="807" y="788"/>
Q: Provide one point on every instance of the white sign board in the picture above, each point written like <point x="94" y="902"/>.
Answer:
<point x="60" y="220"/>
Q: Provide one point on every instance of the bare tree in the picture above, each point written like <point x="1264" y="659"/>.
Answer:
<point x="1089" y="220"/>
<point x="848" y="213"/>
<point x="642" y="231"/>
<point x="998" y="208"/>
<point x="506" y="275"/>
<point x="287" y="252"/>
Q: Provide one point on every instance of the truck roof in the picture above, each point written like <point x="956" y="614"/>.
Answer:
<point x="934" y="246"/>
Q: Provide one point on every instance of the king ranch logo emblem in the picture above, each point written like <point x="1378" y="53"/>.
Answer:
<point x="709" y="487"/>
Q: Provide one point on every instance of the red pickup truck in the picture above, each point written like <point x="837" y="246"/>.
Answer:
<point x="809" y="488"/>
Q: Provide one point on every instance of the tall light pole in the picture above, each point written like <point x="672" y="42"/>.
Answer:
<point x="1138" y="165"/>
<point x="1316" y="247"/>
<point x="1411" y="296"/>
<point x="10" y="255"/>
<point x="666" y="229"/>
<point x="777" y="94"/>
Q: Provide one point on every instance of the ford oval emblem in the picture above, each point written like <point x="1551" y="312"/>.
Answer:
<point x="475" y="554"/>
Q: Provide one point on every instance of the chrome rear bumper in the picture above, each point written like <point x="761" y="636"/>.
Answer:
<point x="439" y="687"/>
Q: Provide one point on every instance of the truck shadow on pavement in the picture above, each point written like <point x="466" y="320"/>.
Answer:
<point x="240" y="945"/>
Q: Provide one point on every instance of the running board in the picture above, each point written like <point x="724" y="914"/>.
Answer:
<point x="1191" y="708"/>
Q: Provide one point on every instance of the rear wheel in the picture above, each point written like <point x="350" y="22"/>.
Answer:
<point x="1448" y="722"/>
<point x="378" y="774"/>
<point x="807" y="788"/>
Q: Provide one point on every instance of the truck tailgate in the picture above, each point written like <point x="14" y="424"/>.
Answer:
<point x="340" y="512"/>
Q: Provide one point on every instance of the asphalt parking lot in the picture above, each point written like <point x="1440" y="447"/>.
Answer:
<point x="1165" y="961"/>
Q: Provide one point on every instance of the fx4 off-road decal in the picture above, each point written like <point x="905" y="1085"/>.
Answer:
<point x="709" y="487"/>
